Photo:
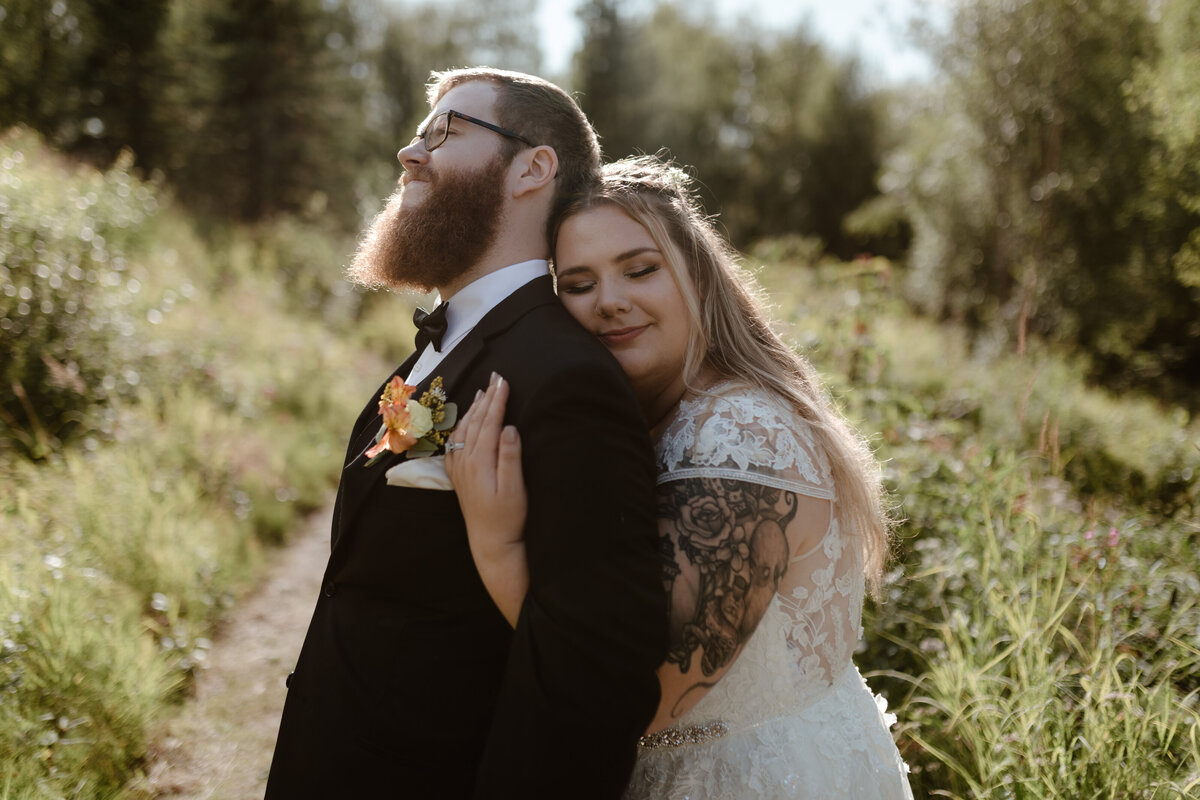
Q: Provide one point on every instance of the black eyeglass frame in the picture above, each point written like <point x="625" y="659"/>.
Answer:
<point x="450" y="116"/>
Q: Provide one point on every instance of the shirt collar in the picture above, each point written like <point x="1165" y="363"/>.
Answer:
<point x="471" y="303"/>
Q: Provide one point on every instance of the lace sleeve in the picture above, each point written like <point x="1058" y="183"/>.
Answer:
<point x="744" y="435"/>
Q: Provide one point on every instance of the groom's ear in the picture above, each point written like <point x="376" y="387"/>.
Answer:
<point x="534" y="169"/>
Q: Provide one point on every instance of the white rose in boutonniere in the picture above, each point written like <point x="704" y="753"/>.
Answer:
<point x="420" y="419"/>
<point x="417" y="428"/>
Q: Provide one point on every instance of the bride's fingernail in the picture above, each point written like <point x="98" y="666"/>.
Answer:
<point x="495" y="379"/>
<point x="478" y="393"/>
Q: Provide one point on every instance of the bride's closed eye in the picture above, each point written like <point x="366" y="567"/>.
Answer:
<point x="642" y="272"/>
<point x="583" y="287"/>
<point x="576" y="288"/>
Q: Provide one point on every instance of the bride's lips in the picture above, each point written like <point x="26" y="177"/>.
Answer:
<point x="622" y="335"/>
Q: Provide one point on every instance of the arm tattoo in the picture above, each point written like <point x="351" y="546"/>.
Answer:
<point x="730" y="534"/>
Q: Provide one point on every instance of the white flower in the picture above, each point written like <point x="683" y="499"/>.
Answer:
<point x="420" y="420"/>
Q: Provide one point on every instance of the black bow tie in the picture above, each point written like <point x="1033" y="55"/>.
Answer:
<point x="431" y="327"/>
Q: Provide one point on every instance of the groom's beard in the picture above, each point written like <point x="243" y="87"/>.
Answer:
<point x="430" y="246"/>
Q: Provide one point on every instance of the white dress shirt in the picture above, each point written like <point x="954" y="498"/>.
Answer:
<point x="470" y="305"/>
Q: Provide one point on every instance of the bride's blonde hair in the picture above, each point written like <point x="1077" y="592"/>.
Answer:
<point x="731" y="332"/>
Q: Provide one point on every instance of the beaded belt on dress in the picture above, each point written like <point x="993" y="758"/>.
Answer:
<point x="676" y="737"/>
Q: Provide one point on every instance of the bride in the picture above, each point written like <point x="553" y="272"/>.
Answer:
<point x="769" y="508"/>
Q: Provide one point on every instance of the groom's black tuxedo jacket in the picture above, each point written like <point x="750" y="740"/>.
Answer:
<point x="410" y="683"/>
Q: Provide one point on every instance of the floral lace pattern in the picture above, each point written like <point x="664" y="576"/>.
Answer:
<point x="745" y="436"/>
<point x="801" y="720"/>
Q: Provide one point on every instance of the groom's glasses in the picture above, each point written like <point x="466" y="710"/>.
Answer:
<point x="437" y="130"/>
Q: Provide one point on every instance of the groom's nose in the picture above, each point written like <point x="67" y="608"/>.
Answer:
<point x="413" y="153"/>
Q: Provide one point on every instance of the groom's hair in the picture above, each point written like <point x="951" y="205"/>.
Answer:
<point x="541" y="112"/>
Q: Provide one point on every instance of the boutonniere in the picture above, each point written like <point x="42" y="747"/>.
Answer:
<point x="418" y="428"/>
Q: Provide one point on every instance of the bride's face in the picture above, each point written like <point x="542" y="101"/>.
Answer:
<point x="615" y="281"/>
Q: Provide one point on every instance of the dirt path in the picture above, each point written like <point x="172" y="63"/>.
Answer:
<point x="219" y="746"/>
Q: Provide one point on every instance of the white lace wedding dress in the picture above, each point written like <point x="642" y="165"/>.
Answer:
<point x="792" y="718"/>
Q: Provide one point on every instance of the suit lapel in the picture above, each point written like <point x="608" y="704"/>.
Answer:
<point x="361" y="436"/>
<point x="357" y="478"/>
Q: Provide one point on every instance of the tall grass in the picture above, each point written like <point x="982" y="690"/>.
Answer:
<point x="1034" y="685"/>
<point x="187" y="403"/>
<point x="1041" y="635"/>
<point x="81" y="681"/>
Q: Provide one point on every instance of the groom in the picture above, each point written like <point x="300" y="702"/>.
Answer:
<point x="410" y="683"/>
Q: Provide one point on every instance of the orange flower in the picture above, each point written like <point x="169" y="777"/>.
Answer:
<point x="393" y="406"/>
<point x="396" y="391"/>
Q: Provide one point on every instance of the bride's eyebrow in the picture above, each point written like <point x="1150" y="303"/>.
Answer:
<point x="628" y="254"/>
<point x="637" y="251"/>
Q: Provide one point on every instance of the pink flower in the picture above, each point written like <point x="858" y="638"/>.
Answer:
<point x="1114" y="537"/>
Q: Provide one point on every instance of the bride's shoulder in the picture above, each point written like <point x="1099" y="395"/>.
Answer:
<point x="742" y="403"/>
<point x="735" y="426"/>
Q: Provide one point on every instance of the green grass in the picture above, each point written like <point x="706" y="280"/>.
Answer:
<point x="1037" y="681"/>
<point x="140" y="487"/>
<point x="1040" y="637"/>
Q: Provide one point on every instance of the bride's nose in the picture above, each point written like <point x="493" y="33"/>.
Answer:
<point x="610" y="300"/>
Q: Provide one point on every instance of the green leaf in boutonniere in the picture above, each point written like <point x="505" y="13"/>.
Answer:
<point x="422" y="449"/>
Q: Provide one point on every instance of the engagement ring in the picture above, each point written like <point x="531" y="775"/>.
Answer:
<point x="452" y="446"/>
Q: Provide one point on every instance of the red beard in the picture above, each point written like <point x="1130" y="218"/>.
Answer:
<point x="430" y="246"/>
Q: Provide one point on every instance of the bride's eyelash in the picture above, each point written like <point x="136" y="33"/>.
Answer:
<point x="586" y="286"/>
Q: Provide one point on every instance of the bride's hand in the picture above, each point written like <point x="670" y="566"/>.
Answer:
<point x="486" y="473"/>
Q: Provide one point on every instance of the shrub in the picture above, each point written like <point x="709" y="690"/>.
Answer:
<point x="143" y="515"/>
<point x="69" y="306"/>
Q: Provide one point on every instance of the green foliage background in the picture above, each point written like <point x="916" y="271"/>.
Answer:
<point x="1040" y="637"/>
<point x="1018" y="323"/>
<point x="1045" y="182"/>
<point x="175" y="406"/>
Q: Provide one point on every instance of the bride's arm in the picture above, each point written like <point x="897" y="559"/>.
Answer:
<point x="487" y="477"/>
<point x="727" y="544"/>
